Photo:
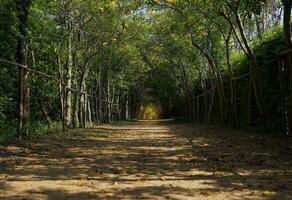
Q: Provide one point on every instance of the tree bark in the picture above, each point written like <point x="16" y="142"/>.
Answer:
<point x="69" y="81"/>
<point x="108" y="102"/>
<point x="76" y="122"/>
<point x="127" y="108"/>
<point x="83" y="97"/>
<point x="99" y="96"/>
<point x="23" y="8"/>
<point x="89" y="122"/>
<point x="45" y="112"/>
<point x="85" y="111"/>
<point x="287" y="35"/>
<point x="61" y="91"/>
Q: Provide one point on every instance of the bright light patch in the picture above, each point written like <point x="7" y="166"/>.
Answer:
<point x="150" y="111"/>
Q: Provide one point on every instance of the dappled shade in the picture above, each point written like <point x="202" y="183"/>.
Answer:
<point x="138" y="161"/>
<point x="118" y="99"/>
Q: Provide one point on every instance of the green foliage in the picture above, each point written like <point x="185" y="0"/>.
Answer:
<point x="178" y="48"/>
<point x="41" y="129"/>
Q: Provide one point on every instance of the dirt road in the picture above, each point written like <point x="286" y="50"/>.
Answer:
<point x="140" y="161"/>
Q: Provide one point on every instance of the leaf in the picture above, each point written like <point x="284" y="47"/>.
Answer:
<point x="268" y="193"/>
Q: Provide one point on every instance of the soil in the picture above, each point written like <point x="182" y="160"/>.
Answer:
<point x="147" y="160"/>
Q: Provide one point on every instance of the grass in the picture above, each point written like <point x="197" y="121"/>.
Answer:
<point x="7" y="134"/>
<point x="41" y="129"/>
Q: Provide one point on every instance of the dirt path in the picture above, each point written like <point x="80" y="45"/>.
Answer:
<point x="148" y="162"/>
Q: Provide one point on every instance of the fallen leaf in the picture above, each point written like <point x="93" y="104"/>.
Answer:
<point x="267" y="193"/>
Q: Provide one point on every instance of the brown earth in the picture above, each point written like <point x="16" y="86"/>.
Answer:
<point x="148" y="161"/>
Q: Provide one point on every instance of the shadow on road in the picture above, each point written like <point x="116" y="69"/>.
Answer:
<point x="148" y="162"/>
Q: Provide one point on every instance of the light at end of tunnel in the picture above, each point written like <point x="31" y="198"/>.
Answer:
<point x="150" y="111"/>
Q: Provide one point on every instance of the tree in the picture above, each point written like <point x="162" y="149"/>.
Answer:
<point x="23" y="7"/>
<point x="287" y="36"/>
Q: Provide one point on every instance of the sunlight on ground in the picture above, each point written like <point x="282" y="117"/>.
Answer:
<point x="141" y="161"/>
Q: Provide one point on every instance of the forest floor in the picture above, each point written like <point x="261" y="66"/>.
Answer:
<point x="148" y="161"/>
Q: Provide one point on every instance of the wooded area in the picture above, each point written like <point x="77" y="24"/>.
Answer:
<point x="145" y="99"/>
<point x="84" y="63"/>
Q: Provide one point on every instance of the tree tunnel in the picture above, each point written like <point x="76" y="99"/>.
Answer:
<point x="154" y="98"/>
<point x="78" y="64"/>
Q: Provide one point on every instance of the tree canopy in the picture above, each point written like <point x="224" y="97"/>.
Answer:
<point x="100" y="61"/>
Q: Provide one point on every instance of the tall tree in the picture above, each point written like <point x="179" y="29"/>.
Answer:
<point x="287" y="35"/>
<point x="23" y="8"/>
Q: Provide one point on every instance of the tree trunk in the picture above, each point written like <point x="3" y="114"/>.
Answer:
<point x="89" y="123"/>
<point x="23" y="7"/>
<point x="76" y="122"/>
<point x="95" y="101"/>
<point x="118" y="108"/>
<point x="99" y="96"/>
<point x="92" y="102"/>
<point x="127" y="108"/>
<point x="69" y="81"/>
<point x="85" y="110"/>
<point x="210" y="103"/>
<point x="108" y="101"/>
<point x="287" y="35"/>
<point x="254" y="76"/>
<point x="81" y="110"/>
<point x="218" y="78"/>
<point x="61" y="91"/>
<point x="45" y="112"/>
<point x="83" y="98"/>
